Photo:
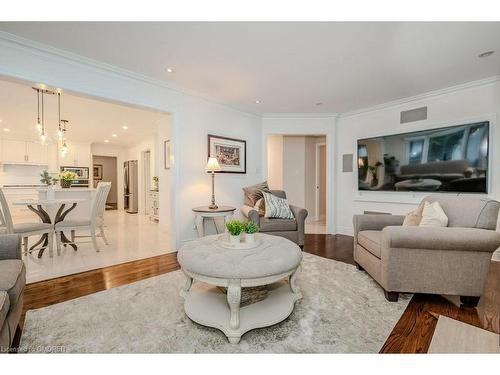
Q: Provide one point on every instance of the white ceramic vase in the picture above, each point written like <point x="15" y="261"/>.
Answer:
<point x="249" y="237"/>
<point x="235" y="240"/>
<point x="51" y="194"/>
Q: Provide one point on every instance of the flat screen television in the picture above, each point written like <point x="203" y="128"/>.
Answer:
<point x="451" y="159"/>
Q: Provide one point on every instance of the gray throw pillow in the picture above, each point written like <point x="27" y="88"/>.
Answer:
<point x="277" y="207"/>
<point x="254" y="193"/>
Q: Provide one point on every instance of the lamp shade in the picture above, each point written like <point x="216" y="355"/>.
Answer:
<point x="212" y="165"/>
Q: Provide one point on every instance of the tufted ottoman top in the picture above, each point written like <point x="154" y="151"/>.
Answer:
<point x="275" y="255"/>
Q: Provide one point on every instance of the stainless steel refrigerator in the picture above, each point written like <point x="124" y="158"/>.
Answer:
<point x="130" y="186"/>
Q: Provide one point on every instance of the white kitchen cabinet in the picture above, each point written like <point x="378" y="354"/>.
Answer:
<point x="78" y="155"/>
<point x="23" y="152"/>
<point x="13" y="151"/>
<point x="36" y="153"/>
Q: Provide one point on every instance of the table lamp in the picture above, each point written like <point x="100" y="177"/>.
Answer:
<point x="212" y="166"/>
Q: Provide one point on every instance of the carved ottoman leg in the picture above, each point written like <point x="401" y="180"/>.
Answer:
<point x="233" y="300"/>
<point x="293" y="284"/>
<point x="187" y="286"/>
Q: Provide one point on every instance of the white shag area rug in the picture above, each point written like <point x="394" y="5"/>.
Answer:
<point x="342" y="311"/>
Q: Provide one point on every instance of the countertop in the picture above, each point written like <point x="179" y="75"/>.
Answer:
<point x="68" y="190"/>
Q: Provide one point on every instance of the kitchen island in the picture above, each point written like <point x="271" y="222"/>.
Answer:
<point x="85" y="197"/>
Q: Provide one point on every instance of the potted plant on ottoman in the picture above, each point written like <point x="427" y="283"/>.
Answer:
<point x="234" y="227"/>
<point x="67" y="178"/>
<point x="250" y="229"/>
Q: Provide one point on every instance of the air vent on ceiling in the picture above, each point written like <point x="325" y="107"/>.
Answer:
<point x="417" y="114"/>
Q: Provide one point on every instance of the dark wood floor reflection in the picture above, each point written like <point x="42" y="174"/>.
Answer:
<point x="412" y="334"/>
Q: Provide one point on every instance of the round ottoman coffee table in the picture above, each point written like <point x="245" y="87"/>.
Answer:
<point x="207" y="266"/>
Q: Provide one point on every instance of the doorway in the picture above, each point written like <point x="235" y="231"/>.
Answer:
<point x="146" y="180"/>
<point x="297" y="164"/>
<point x="105" y="170"/>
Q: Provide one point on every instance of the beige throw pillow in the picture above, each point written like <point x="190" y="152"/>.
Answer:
<point x="433" y="216"/>
<point x="254" y="193"/>
<point x="413" y="218"/>
<point x="260" y="207"/>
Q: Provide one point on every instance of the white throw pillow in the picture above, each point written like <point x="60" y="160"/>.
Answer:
<point x="433" y="216"/>
<point x="277" y="207"/>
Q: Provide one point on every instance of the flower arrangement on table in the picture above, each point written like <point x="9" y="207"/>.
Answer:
<point x="67" y="177"/>
<point x="237" y="227"/>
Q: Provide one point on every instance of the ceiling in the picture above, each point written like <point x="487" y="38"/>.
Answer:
<point x="288" y="67"/>
<point x="90" y="120"/>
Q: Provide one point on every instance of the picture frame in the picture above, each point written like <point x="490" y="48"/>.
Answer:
<point x="167" y="153"/>
<point x="231" y="153"/>
<point x="97" y="171"/>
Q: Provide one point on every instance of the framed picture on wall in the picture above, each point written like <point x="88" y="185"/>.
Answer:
<point x="97" y="168"/>
<point x="167" y="154"/>
<point x="231" y="153"/>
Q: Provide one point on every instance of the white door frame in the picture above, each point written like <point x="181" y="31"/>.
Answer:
<point x="317" y="180"/>
<point x="145" y="183"/>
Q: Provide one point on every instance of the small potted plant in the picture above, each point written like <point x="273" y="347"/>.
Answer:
<point x="250" y="229"/>
<point x="47" y="179"/>
<point x="234" y="227"/>
<point x="67" y="178"/>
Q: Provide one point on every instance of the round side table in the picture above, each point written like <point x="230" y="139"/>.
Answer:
<point x="203" y="212"/>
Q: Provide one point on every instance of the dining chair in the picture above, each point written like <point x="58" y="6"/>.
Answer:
<point x="25" y="230"/>
<point x="92" y="224"/>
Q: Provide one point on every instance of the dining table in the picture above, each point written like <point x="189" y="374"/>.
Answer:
<point x="45" y="209"/>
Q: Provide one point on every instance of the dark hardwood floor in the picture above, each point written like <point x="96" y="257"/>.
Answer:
<point x="412" y="334"/>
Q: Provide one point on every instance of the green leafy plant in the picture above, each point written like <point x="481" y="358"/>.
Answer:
<point x="47" y="179"/>
<point x="251" y="227"/>
<point x="235" y="227"/>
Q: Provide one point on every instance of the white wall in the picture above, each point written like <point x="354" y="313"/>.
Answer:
<point x="294" y="169"/>
<point x="275" y="162"/>
<point x="301" y="124"/>
<point x="452" y="108"/>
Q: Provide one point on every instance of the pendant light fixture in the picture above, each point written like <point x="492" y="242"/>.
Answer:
<point x="43" y="136"/>
<point x="64" y="147"/>
<point x="40" y="122"/>
<point x="60" y="133"/>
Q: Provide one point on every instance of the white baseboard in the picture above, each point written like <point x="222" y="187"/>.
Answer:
<point x="348" y="231"/>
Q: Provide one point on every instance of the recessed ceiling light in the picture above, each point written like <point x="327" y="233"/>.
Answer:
<point x="125" y="127"/>
<point x="114" y="135"/>
<point x="257" y="102"/>
<point x="6" y="130"/>
<point x="106" y="141"/>
<point x="170" y="70"/>
<point x="486" y="54"/>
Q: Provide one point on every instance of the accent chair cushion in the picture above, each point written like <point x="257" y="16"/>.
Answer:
<point x="277" y="207"/>
<point x="254" y="193"/>
<point x="12" y="279"/>
<point x="277" y="225"/>
<point x="371" y="240"/>
<point x="433" y="216"/>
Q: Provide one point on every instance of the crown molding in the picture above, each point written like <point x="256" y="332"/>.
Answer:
<point x="47" y="51"/>
<point x="427" y="95"/>
<point x="307" y="115"/>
